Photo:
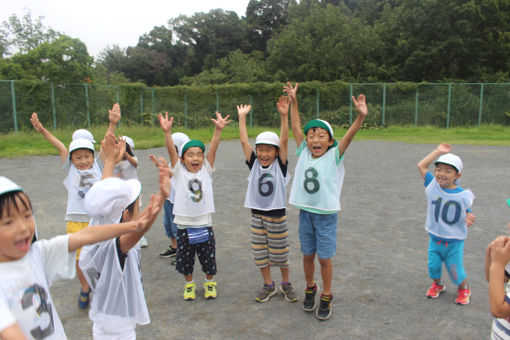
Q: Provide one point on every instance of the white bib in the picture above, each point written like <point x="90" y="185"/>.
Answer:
<point x="78" y="183"/>
<point x="266" y="187"/>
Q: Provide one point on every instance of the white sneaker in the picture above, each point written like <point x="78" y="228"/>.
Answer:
<point x="144" y="243"/>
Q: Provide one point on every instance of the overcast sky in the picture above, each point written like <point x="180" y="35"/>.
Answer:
<point x="99" y="23"/>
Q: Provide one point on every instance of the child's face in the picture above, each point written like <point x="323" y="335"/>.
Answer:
<point x="193" y="159"/>
<point x="318" y="141"/>
<point x="266" y="154"/>
<point x="446" y="175"/>
<point x="17" y="227"/>
<point x="82" y="159"/>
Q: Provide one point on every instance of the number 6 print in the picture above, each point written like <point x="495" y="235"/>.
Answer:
<point x="268" y="184"/>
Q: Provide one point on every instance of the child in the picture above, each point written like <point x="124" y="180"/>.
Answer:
<point x="497" y="262"/>
<point x="27" y="310"/>
<point x="194" y="205"/>
<point x="113" y="267"/>
<point x="448" y="217"/>
<point x="316" y="190"/>
<point x="179" y="139"/>
<point x="266" y="196"/>
<point x="83" y="170"/>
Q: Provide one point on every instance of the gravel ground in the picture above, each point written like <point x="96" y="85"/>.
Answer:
<point x="380" y="270"/>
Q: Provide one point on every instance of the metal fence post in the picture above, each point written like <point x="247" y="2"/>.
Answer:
<point x="217" y="100"/>
<point x="117" y="94"/>
<point x="14" y="114"/>
<point x="186" y="109"/>
<point x="317" y="103"/>
<point x="153" y="107"/>
<point x="416" y="108"/>
<point x="383" y="104"/>
<point x="141" y="106"/>
<point x="350" y="104"/>
<point x="481" y="106"/>
<point x="87" y="103"/>
<point x="53" y="111"/>
<point x="251" y="111"/>
<point x="449" y="105"/>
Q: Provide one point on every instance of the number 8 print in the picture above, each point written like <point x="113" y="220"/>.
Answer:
<point x="311" y="180"/>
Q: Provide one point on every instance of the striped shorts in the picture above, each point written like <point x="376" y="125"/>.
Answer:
<point x="269" y="241"/>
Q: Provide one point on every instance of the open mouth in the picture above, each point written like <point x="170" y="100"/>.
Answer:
<point x="23" y="245"/>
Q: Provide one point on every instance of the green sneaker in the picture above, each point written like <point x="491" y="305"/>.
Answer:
<point x="210" y="290"/>
<point x="266" y="293"/>
<point x="189" y="291"/>
<point x="289" y="292"/>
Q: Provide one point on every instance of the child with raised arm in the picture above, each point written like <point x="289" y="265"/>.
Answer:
<point x="316" y="190"/>
<point x="448" y="216"/>
<point x="266" y="197"/>
<point x="83" y="170"/>
<point x="194" y="205"/>
<point x="113" y="267"/>
<point x="27" y="269"/>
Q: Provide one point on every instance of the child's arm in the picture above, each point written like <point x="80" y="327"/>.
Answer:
<point x="242" y="112"/>
<point x="13" y="332"/>
<point x="113" y="118"/>
<point x="470" y="219"/>
<point x="128" y="241"/>
<point x="283" y="109"/>
<point x="294" y="112"/>
<point x="49" y="137"/>
<point x="131" y="159"/>
<point x="166" y="125"/>
<point x="112" y="153"/>
<point x="220" y="123"/>
<point x="361" y="107"/>
<point x="423" y="165"/>
<point x="499" y="257"/>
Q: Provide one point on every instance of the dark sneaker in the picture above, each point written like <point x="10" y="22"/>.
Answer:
<point x="289" y="292"/>
<point x="170" y="252"/>
<point x="311" y="296"/>
<point x="266" y="293"/>
<point x="324" y="311"/>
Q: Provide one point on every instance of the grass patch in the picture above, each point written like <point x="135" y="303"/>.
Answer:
<point x="30" y="143"/>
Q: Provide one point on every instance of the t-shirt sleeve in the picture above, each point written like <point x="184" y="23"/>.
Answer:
<point x="283" y="167"/>
<point x="250" y="163"/>
<point x="301" y="147"/>
<point x="338" y="158"/>
<point x="59" y="263"/>
<point x="428" y="178"/>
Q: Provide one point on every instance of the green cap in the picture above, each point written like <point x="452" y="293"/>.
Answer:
<point x="193" y="143"/>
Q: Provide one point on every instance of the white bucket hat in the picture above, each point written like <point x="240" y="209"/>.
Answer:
<point x="180" y="139"/>
<point x="80" y="143"/>
<point x="108" y="198"/>
<point x="85" y="134"/>
<point x="7" y="186"/>
<point x="268" y="137"/>
<point x="451" y="159"/>
<point x="129" y="141"/>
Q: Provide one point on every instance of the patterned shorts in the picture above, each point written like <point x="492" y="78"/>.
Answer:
<point x="206" y="252"/>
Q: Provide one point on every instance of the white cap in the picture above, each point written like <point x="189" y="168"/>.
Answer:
<point x="7" y="186"/>
<point x="180" y="139"/>
<point x="451" y="159"/>
<point x="108" y="198"/>
<point x="129" y="141"/>
<point x="85" y="134"/>
<point x="80" y="143"/>
<point x="268" y="137"/>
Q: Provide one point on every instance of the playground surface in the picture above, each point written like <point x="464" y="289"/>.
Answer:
<point x="380" y="269"/>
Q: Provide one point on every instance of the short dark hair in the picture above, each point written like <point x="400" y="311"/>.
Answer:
<point x="9" y="200"/>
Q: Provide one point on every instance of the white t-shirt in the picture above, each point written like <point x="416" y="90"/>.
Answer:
<point x="125" y="170"/>
<point x="24" y="288"/>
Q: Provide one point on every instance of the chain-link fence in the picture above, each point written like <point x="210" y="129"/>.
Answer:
<point x="85" y="105"/>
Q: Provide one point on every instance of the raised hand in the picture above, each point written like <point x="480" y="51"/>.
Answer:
<point x="165" y="123"/>
<point x="291" y="91"/>
<point x="361" y="104"/>
<point x="444" y="148"/>
<point x="36" y="123"/>
<point x="114" y="114"/>
<point x="220" y="122"/>
<point x="470" y="219"/>
<point x="243" y="110"/>
<point x="283" y="105"/>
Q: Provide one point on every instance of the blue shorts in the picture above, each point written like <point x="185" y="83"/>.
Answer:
<point x="317" y="233"/>
<point x="451" y="254"/>
<point x="168" y="220"/>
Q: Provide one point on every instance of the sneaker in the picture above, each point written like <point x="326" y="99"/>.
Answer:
<point x="311" y="296"/>
<point x="266" y="293"/>
<point x="324" y="311"/>
<point x="435" y="290"/>
<point x="170" y="252"/>
<point x="210" y="290"/>
<point x="173" y="260"/>
<point x="84" y="299"/>
<point x="463" y="296"/>
<point x="144" y="243"/>
<point x="289" y="292"/>
<point x="189" y="291"/>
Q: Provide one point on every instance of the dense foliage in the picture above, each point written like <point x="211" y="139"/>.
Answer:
<point x="279" y="40"/>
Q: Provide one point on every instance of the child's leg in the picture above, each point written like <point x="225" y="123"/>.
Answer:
<point x="285" y="274"/>
<point x="326" y="274"/>
<point x="309" y="268"/>
<point x="266" y="275"/>
<point x="435" y="259"/>
<point x="278" y="244"/>
<point x="206" y="252"/>
<point x="185" y="255"/>
<point x="83" y="282"/>
<point x="260" y="247"/>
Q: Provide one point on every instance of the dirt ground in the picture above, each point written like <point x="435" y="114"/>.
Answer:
<point x="380" y="270"/>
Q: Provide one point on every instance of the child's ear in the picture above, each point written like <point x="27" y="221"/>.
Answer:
<point x="458" y="175"/>
<point x="331" y="141"/>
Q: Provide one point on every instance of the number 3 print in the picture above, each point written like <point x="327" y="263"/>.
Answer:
<point x="31" y="295"/>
